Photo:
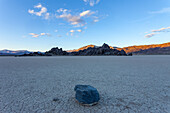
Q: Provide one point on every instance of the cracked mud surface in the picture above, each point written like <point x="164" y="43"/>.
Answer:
<point x="137" y="84"/>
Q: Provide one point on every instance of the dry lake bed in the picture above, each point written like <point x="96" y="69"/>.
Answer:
<point x="127" y="84"/>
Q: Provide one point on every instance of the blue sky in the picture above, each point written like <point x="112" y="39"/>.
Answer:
<point x="42" y="24"/>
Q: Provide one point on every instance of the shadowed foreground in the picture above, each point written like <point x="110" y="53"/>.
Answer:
<point x="126" y="84"/>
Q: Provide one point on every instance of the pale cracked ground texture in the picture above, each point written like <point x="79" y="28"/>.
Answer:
<point x="137" y="84"/>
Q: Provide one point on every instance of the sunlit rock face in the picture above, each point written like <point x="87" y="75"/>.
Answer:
<point x="103" y="50"/>
<point x="82" y="48"/>
<point x="153" y="49"/>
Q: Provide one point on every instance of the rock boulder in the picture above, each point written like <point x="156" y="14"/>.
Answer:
<point x="86" y="94"/>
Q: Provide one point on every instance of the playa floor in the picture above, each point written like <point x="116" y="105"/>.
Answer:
<point x="126" y="84"/>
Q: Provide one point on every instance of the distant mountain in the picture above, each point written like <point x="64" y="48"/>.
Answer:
<point x="153" y="49"/>
<point x="90" y="51"/>
<point x="88" y="46"/>
<point x="11" y="52"/>
<point x="82" y="48"/>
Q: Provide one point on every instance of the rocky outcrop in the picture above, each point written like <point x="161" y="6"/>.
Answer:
<point x="90" y="51"/>
<point x="153" y="49"/>
<point x="103" y="50"/>
<point x="82" y="48"/>
<point x="56" y="51"/>
<point x="86" y="94"/>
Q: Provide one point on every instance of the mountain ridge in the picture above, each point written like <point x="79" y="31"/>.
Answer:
<point x="136" y="49"/>
<point x="163" y="48"/>
<point x="13" y="52"/>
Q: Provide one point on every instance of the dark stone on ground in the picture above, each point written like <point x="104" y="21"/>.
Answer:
<point x="55" y="99"/>
<point x="86" y="94"/>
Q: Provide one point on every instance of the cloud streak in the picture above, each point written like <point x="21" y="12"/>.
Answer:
<point x="150" y="35"/>
<point x="157" y="31"/>
<point x="86" y="13"/>
<point x="162" y="30"/>
<point x="71" y="32"/>
<point x="39" y="35"/>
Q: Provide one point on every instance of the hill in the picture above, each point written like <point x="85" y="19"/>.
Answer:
<point x="153" y="49"/>
<point x="12" y="52"/>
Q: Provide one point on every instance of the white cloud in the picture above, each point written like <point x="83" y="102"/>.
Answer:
<point x="162" y="30"/>
<point x="79" y="30"/>
<point x="164" y="10"/>
<point x="62" y="10"/>
<point x="78" y="20"/>
<point x="150" y="35"/>
<point x="34" y="35"/>
<point x="31" y="11"/>
<point x="157" y="31"/>
<point x="91" y="2"/>
<point x="38" y="6"/>
<point x="42" y="12"/>
<point x="96" y="20"/>
<point x="86" y="13"/>
<point x="38" y="35"/>
<point x="42" y="34"/>
<point x="74" y="20"/>
<point x="72" y="31"/>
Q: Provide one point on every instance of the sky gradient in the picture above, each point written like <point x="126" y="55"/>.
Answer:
<point x="39" y="25"/>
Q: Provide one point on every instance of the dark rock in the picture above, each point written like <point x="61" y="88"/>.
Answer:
<point x="129" y="54"/>
<point x="56" y="51"/>
<point x="154" y="51"/>
<point x="97" y="51"/>
<point x="55" y="99"/>
<point x="105" y="46"/>
<point x="86" y="94"/>
<point x="122" y="53"/>
<point x="91" y="51"/>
